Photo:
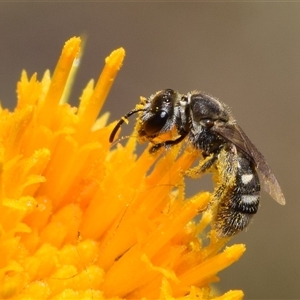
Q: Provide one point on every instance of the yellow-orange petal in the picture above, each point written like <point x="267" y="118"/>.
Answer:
<point x="83" y="219"/>
<point x="211" y="266"/>
<point x="59" y="80"/>
<point x="94" y="103"/>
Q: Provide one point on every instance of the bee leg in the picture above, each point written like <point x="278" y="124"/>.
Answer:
<point x="225" y="193"/>
<point x="203" y="166"/>
<point x="168" y="144"/>
<point x="227" y="166"/>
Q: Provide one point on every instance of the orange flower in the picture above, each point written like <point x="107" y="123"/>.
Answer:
<point x="80" y="218"/>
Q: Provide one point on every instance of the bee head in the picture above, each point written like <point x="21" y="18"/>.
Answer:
<point x="157" y="112"/>
<point x="157" y="116"/>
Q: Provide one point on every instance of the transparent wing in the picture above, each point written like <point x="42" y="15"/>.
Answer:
<point x="234" y="134"/>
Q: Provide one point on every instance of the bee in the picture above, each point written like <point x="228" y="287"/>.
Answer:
<point x="208" y="125"/>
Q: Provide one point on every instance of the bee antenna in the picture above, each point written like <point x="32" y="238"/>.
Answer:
<point x="121" y="121"/>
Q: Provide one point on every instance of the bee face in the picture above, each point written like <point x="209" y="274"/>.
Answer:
<point x="158" y="114"/>
<point x="211" y="129"/>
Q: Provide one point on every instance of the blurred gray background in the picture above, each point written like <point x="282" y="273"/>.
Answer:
<point x="246" y="54"/>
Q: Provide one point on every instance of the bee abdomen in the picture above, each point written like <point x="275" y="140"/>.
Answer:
<point x="240" y="201"/>
<point x="247" y="188"/>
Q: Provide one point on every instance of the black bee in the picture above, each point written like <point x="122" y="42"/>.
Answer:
<point x="210" y="128"/>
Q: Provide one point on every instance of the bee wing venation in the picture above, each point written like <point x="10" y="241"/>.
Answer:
<point x="234" y="134"/>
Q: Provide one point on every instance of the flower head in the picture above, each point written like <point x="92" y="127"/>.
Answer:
<point x="82" y="219"/>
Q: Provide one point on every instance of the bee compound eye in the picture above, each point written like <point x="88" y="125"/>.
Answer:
<point x="207" y="123"/>
<point x="156" y="123"/>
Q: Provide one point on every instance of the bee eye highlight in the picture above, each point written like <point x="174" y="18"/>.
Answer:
<point x="207" y="123"/>
<point x="156" y="123"/>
